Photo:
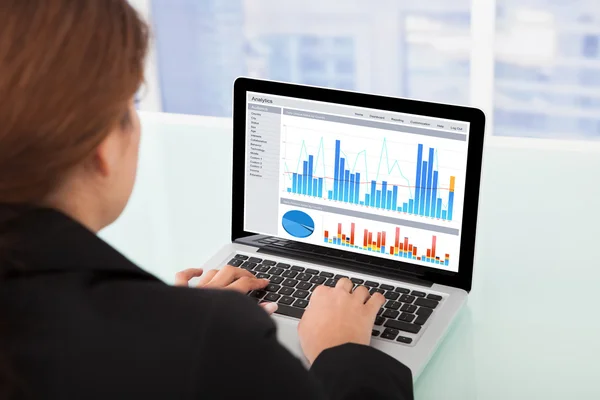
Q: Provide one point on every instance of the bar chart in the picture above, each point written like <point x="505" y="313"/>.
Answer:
<point x="377" y="242"/>
<point x="427" y="197"/>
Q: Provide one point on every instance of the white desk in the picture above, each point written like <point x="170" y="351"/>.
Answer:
<point x="531" y="328"/>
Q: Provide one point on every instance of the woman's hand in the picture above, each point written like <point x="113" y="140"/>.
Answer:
<point x="336" y="316"/>
<point x="228" y="277"/>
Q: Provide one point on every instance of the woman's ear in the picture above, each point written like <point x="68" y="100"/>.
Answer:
<point x="107" y="154"/>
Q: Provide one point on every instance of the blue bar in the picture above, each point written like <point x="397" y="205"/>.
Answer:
<point x="446" y="262"/>
<point x="320" y="190"/>
<point x="362" y="203"/>
<point x="395" y="198"/>
<point x="368" y="199"/>
<point x="352" y="185"/>
<point x="300" y="186"/>
<point x="330" y="194"/>
<point x="315" y="187"/>
<point x="357" y="188"/>
<point x="450" y="205"/>
<point x="383" y="194"/>
<point x="434" y="194"/>
<point x="373" y="193"/>
<point x="411" y="204"/>
<point x="311" y="192"/>
<point x="418" y="179"/>
<point x="422" y="190"/>
<point x="389" y="200"/>
<point x="443" y="214"/>
<point x="336" y="172"/>
<point x="295" y="182"/>
<point x="346" y="184"/>
<point x="438" y="208"/>
<point x="429" y="183"/>
<point x="383" y="249"/>
<point x="341" y="183"/>
<point x="405" y="207"/>
<point x="378" y="202"/>
<point x="304" y="177"/>
<point x="289" y="190"/>
<point x="325" y="240"/>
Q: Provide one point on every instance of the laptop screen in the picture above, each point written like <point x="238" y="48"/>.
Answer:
<point x="380" y="183"/>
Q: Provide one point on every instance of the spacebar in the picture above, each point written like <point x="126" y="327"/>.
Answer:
<point x="289" y="311"/>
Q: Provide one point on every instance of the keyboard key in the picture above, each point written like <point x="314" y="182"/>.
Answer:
<point x="375" y="332"/>
<point x="289" y="274"/>
<point x="391" y="295"/>
<point x="386" y="287"/>
<point x="303" y="286"/>
<point x="389" y="313"/>
<point x="418" y="293"/>
<point x="371" y="284"/>
<point x="286" y="300"/>
<point x="357" y="281"/>
<point x="255" y="260"/>
<point x="240" y="257"/>
<point x="424" y="311"/>
<point x="284" y="266"/>
<point x="404" y="339"/>
<point x="340" y="276"/>
<point x="262" y="275"/>
<point x="402" y="290"/>
<point x="407" y="299"/>
<point x="248" y="265"/>
<point x="421" y="319"/>
<point x="434" y="297"/>
<point x="269" y="262"/>
<point x="311" y="271"/>
<point x="379" y="321"/>
<point x="326" y="274"/>
<point x="286" y="291"/>
<point x="389" y="334"/>
<point x="272" y="297"/>
<point x="258" y="294"/>
<point x="426" y="303"/>
<point x="289" y="311"/>
<point x="301" y="294"/>
<point x="289" y="282"/>
<point x="253" y="272"/>
<point x="376" y="290"/>
<point x="303" y="277"/>
<point x="407" y="317"/>
<point x="318" y="280"/>
<point x="301" y="303"/>
<point x="403" y="326"/>
<point x="297" y="268"/>
<point x="408" y="308"/>
<point x="330" y="282"/>
<point x="235" y="262"/>
<point x="276" y="271"/>
<point x="272" y="287"/>
<point x="276" y="279"/>
<point x="394" y="305"/>
<point x="380" y="311"/>
<point x="262" y="268"/>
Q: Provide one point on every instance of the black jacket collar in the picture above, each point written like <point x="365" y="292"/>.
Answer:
<point x="47" y="240"/>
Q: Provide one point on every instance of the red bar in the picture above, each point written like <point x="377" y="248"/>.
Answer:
<point x="433" y="246"/>
<point x="406" y="245"/>
<point x="447" y="255"/>
<point x="401" y="246"/>
<point x="339" y="229"/>
<point x="378" y="239"/>
<point x="343" y="238"/>
<point x="352" y="234"/>
<point x="365" y="241"/>
<point x="410" y="248"/>
<point x="392" y="250"/>
<point x="428" y="252"/>
<point x="326" y="234"/>
<point x="415" y="252"/>
<point x="383" y="239"/>
<point x="370" y="237"/>
<point x="397" y="237"/>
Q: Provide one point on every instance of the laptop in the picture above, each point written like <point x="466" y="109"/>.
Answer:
<point x="330" y="183"/>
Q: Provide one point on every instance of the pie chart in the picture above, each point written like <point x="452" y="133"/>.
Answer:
<point x="298" y="224"/>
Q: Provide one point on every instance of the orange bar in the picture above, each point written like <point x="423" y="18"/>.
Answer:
<point x="378" y="239"/>
<point x="370" y="237"/>
<point x="339" y="230"/>
<point x="365" y="241"/>
<point x="433" y="242"/>
<point x="414" y="251"/>
<point x="397" y="237"/>
<point x="406" y="246"/>
<point x="452" y="181"/>
<point x="343" y="238"/>
<point x="392" y="250"/>
<point x="428" y="253"/>
<point x="326" y="234"/>
<point x="352" y="234"/>
<point x="383" y="239"/>
<point x="410" y="248"/>
<point x="401" y="246"/>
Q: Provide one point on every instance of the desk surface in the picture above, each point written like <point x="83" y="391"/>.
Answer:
<point x="531" y="327"/>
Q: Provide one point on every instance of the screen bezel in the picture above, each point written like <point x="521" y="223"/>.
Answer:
<point x="475" y="117"/>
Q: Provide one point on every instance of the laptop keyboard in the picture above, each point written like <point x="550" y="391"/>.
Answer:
<point x="290" y="286"/>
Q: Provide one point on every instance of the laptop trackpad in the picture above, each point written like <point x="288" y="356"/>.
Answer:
<point x="287" y="333"/>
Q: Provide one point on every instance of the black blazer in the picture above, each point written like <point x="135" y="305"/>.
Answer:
<point x="82" y="322"/>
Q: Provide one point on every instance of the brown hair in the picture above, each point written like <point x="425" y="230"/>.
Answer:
<point x="68" y="70"/>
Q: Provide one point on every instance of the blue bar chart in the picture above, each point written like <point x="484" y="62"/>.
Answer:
<point x="427" y="198"/>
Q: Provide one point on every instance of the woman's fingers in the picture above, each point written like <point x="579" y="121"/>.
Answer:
<point x="345" y="284"/>
<point x="362" y="294"/>
<point x="270" y="308"/>
<point x="227" y="275"/>
<point x="183" y="277"/>
<point x="375" y="303"/>
<point x="246" y="284"/>
<point x="207" y="277"/>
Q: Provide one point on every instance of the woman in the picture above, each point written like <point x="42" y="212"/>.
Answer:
<point x="81" y="321"/>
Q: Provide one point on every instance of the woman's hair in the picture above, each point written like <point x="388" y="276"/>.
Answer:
<point x="68" y="71"/>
